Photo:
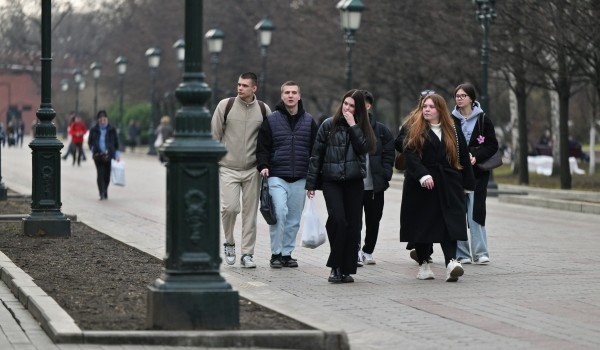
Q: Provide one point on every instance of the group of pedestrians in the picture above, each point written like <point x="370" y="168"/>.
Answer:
<point x="350" y="153"/>
<point x="13" y="134"/>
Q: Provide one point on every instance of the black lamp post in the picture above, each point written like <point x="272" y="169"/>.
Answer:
<point x="179" y="47"/>
<point x="79" y="85"/>
<point x="265" y="30"/>
<point x="96" y="71"/>
<point x="215" y="37"/>
<point x="190" y="293"/>
<point x="153" y="55"/>
<point x="121" y="63"/>
<point x="46" y="219"/>
<point x="486" y="14"/>
<point x="350" y="15"/>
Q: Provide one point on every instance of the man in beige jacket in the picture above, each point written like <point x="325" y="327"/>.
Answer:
<point x="235" y="123"/>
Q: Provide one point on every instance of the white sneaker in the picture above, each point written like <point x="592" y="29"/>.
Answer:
<point x="425" y="272"/>
<point x="483" y="260"/>
<point x="368" y="258"/>
<point x="247" y="261"/>
<point x="454" y="271"/>
<point x="229" y="253"/>
<point x="359" y="262"/>
<point x="464" y="260"/>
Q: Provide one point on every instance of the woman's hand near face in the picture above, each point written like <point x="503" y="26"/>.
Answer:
<point x="349" y="118"/>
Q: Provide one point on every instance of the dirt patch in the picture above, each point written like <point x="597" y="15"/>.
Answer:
<point x="99" y="281"/>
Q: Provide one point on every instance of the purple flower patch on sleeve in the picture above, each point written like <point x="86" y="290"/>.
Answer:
<point x="480" y="139"/>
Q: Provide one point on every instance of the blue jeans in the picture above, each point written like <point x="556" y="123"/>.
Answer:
<point x="288" y="199"/>
<point x="478" y="236"/>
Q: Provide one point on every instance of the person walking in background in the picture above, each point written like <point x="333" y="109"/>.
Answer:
<point x="77" y="130"/>
<point x="20" y="133"/>
<point x="283" y="149"/>
<point x="104" y="145"/>
<point x="70" y="145"/>
<point x="480" y="135"/>
<point x="338" y="160"/>
<point x="165" y="131"/>
<point x="235" y="123"/>
<point x="379" y="173"/>
<point x="438" y="172"/>
<point x="2" y="135"/>
<point x="133" y="134"/>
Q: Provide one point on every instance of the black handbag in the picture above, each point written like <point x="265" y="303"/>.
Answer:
<point x="494" y="161"/>
<point x="267" y="209"/>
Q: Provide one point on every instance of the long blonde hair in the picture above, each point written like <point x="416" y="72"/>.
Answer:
<point x="419" y="128"/>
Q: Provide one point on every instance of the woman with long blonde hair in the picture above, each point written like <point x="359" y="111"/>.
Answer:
<point x="438" y="172"/>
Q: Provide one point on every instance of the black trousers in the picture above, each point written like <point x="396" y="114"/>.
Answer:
<point x="373" y="208"/>
<point x="77" y="153"/>
<point x="102" y="176"/>
<point x="424" y="251"/>
<point x="344" y="222"/>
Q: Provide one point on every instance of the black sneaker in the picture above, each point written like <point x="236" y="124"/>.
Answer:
<point x="276" y="261"/>
<point x="288" y="261"/>
<point x="347" y="279"/>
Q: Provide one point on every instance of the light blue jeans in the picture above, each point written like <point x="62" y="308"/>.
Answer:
<point x="478" y="236"/>
<point x="288" y="199"/>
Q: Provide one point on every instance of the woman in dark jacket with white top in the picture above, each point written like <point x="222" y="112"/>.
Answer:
<point x="338" y="161"/>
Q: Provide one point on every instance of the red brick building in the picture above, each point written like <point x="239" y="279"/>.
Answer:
<point x="19" y="94"/>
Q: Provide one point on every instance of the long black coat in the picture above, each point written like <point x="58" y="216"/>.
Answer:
<point x="482" y="152"/>
<point x="436" y="215"/>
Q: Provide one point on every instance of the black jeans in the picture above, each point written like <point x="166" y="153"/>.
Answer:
<point x="373" y="208"/>
<point x="344" y="222"/>
<point x="102" y="176"/>
<point x="424" y="250"/>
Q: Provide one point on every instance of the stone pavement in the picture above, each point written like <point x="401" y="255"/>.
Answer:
<point x="539" y="292"/>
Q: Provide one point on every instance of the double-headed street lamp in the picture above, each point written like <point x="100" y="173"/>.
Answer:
<point x="350" y="15"/>
<point x="215" y="37"/>
<point x="265" y="30"/>
<point x="486" y="14"/>
<point x="153" y="55"/>
<point x="96" y="71"/>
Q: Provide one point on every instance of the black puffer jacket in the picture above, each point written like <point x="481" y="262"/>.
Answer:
<point x="338" y="157"/>
<point x="382" y="161"/>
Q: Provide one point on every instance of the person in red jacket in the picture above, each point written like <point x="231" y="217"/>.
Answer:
<point x="77" y="130"/>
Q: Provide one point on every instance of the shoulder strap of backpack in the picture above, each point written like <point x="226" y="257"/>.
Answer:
<point x="263" y="109"/>
<point x="227" y="109"/>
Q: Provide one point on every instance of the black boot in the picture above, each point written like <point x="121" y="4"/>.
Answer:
<point x="335" y="276"/>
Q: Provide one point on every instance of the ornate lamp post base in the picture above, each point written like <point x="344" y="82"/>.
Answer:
<point x="46" y="219"/>
<point x="192" y="303"/>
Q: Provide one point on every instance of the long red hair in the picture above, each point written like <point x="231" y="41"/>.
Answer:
<point x="419" y="129"/>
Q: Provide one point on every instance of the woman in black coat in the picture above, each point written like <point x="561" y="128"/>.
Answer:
<point x="438" y="172"/>
<point x="338" y="161"/>
<point x="481" y="138"/>
<point x="104" y="144"/>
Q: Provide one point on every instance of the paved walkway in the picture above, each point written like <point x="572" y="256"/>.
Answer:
<point x="539" y="292"/>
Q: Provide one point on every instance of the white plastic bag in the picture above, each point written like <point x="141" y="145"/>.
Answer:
<point x="117" y="172"/>
<point x="313" y="232"/>
<point x="159" y="140"/>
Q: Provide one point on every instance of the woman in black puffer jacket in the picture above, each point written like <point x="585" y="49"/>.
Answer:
<point x="338" y="162"/>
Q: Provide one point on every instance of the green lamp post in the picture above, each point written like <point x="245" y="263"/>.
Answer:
<point x="96" y="71"/>
<point x="153" y="55"/>
<point x="486" y="14"/>
<point x="190" y="293"/>
<point x="264" y="31"/>
<point x="45" y="218"/>
<point x="350" y="16"/>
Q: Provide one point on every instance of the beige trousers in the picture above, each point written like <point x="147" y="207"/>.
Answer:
<point x="232" y="183"/>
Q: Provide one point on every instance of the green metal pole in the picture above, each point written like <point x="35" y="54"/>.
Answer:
<point x="46" y="219"/>
<point x="190" y="293"/>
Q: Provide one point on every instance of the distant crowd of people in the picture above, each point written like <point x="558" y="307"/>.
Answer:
<point x="13" y="134"/>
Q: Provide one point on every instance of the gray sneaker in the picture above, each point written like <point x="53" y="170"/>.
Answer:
<point x="229" y="253"/>
<point x="247" y="261"/>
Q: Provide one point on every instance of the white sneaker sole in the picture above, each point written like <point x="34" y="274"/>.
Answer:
<point x="229" y="262"/>
<point x="484" y="262"/>
<point x="426" y="277"/>
<point x="456" y="272"/>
